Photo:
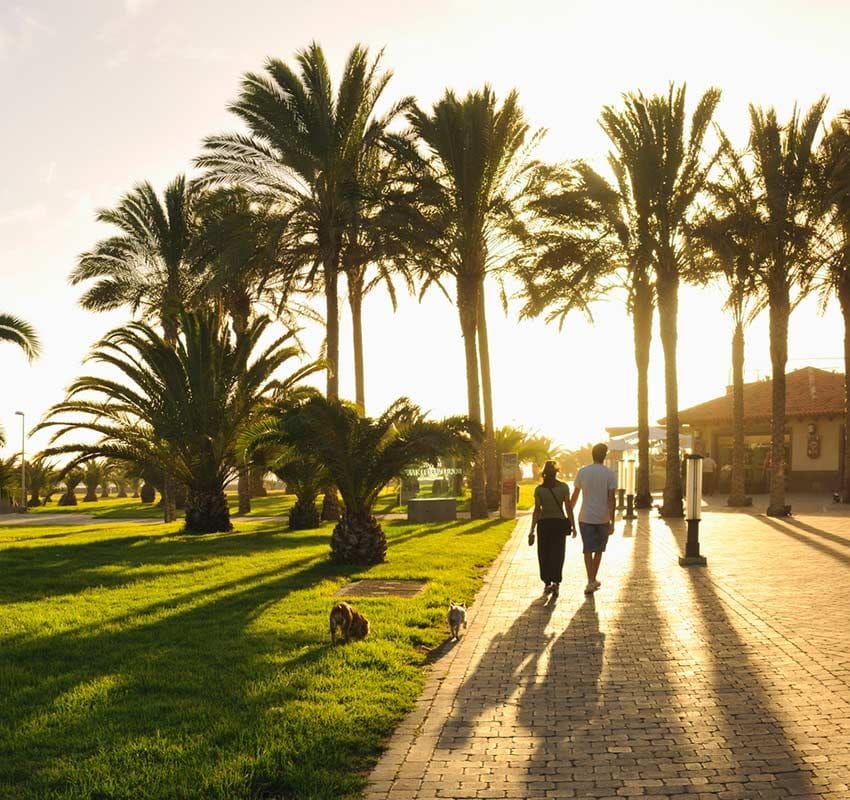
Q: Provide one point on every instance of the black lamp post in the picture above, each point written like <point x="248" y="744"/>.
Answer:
<point x="693" y="512"/>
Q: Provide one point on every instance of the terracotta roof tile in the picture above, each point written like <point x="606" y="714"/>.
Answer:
<point x="809" y="392"/>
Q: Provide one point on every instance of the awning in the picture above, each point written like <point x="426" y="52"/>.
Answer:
<point x="657" y="433"/>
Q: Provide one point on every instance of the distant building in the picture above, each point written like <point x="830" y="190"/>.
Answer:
<point x="814" y="431"/>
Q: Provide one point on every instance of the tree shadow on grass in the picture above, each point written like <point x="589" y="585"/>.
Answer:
<point x="35" y="573"/>
<point x="197" y="672"/>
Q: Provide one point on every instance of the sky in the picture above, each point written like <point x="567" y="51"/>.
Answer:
<point x="102" y="94"/>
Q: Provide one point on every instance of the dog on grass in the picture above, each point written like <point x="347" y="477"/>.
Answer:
<point x="457" y="617"/>
<point x="347" y="623"/>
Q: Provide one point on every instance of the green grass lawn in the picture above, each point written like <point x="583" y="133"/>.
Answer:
<point x="137" y="662"/>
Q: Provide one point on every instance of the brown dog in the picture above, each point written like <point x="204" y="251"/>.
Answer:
<point x="348" y="622"/>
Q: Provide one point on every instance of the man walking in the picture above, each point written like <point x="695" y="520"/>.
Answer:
<point x="598" y="485"/>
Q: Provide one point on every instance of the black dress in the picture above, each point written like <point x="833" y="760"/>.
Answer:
<point x="552" y="535"/>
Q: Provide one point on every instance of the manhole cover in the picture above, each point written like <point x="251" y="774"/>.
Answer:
<point x="373" y="588"/>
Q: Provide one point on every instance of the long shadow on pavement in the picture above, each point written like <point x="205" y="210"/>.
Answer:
<point x="742" y="682"/>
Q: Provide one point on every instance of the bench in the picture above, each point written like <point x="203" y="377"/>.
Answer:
<point x="431" y="509"/>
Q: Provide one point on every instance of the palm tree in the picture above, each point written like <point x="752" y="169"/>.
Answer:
<point x="180" y="407"/>
<point x="835" y="157"/>
<point x="726" y="241"/>
<point x="72" y="477"/>
<point x="93" y="475"/>
<point x="300" y="468"/>
<point x="363" y="455"/>
<point x="650" y="138"/>
<point x="148" y="265"/>
<point x="41" y="474"/>
<point x="377" y="237"/>
<point x="9" y="472"/>
<point x="15" y="330"/>
<point x="304" y="147"/>
<point x="792" y="203"/>
<point x="474" y="183"/>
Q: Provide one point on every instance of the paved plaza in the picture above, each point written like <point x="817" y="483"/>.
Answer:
<point x="729" y="681"/>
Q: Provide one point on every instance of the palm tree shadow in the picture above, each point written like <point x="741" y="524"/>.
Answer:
<point x="511" y="660"/>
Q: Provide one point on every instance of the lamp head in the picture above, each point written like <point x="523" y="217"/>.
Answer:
<point x="19" y="413"/>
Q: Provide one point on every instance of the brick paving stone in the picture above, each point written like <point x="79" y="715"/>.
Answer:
<point x="729" y="682"/>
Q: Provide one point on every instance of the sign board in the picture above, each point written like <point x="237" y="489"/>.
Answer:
<point x="510" y="465"/>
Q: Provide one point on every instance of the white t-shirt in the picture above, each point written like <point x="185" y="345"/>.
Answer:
<point x="595" y="481"/>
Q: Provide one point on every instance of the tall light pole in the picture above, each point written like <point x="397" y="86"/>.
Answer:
<point x="23" y="465"/>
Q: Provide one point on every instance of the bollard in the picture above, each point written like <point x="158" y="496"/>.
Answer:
<point x="693" y="512"/>
<point x="630" y="489"/>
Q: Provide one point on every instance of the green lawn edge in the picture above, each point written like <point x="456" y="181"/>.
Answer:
<point x="144" y="663"/>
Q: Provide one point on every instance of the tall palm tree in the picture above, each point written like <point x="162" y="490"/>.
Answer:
<point x="375" y="243"/>
<point x="650" y="136"/>
<point x="727" y="242"/>
<point x="17" y="331"/>
<point x="363" y="455"/>
<point x="474" y="182"/>
<point x="792" y="203"/>
<point x="304" y="146"/>
<point x="835" y="281"/>
<point x="148" y="265"/>
<point x="179" y="407"/>
<point x="593" y="236"/>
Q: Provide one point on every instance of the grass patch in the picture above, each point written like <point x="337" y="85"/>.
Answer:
<point x="141" y="663"/>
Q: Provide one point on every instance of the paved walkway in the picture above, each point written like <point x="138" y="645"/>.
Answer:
<point x="731" y="681"/>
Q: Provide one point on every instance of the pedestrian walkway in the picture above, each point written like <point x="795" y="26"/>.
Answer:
<point x="730" y="681"/>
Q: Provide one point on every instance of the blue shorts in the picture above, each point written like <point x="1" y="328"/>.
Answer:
<point x="593" y="536"/>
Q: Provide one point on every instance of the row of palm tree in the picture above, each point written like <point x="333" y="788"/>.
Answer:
<point x="322" y="186"/>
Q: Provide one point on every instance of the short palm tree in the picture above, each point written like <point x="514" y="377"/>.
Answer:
<point x="304" y="146"/>
<point x="17" y="331"/>
<point x="475" y="180"/>
<point x="93" y="474"/>
<point x="363" y="454"/>
<point x="300" y="468"/>
<point x="179" y="408"/>
<point x="71" y="477"/>
<point x="149" y="264"/>
<point x="41" y="475"/>
<point x="9" y="472"/>
<point x="792" y="203"/>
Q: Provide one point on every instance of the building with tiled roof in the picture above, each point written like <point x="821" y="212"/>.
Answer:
<point x="814" y="433"/>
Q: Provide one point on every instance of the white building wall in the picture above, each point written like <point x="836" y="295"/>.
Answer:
<point x="829" y="432"/>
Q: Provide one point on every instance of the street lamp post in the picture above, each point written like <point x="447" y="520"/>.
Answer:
<point x="630" y="489"/>
<point x="23" y="464"/>
<point x="693" y="511"/>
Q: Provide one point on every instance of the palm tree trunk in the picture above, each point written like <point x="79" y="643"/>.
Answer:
<point x="468" y="312"/>
<point x="243" y="491"/>
<point x="642" y="324"/>
<point x="169" y="499"/>
<point x="844" y="299"/>
<point x="779" y="312"/>
<point x="668" y="301"/>
<point x="737" y="490"/>
<point x="207" y="511"/>
<point x="491" y="465"/>
<point x="332" y="329"/>
<point x="355" y="302"/>
<point x="358" y="539"/>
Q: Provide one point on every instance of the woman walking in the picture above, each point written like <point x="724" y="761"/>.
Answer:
<point x="553" y="521"/>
